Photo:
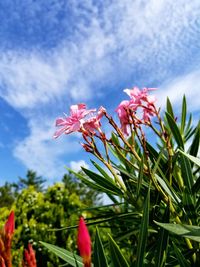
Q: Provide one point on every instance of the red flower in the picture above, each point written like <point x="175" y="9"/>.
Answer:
<point x="84" y="243"/>
<point x="29" y="255"/>
<point x="9" y="226"/>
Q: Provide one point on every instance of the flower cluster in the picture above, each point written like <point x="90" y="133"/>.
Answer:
<point x="80" y="120"/>
<point x="6" y="235"/>
<point x="88" y="121"/>
<point x="29" y="255"/>
<point x="127" y="109"/>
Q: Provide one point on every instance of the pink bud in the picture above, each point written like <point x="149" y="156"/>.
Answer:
<point x="84" y="243"/>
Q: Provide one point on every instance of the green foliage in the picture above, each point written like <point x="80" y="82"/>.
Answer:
<point x="155" y="189"/>
<point x="6" y="195"/>
<point x="38" y="213"/>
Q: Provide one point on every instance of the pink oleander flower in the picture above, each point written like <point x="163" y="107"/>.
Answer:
<point x="29" y="255"/>
<point x="74" y="122"/>
<point x="123" y="115"/>
<point x="84" y="243"/>
<point x="138" y="95"/>
<point x="93" y="123"/>
<point x="139" y="99"/>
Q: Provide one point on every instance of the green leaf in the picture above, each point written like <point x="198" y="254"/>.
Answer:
<point x="102" y="171"/>
<point x="91" y="184"/>
<point x="188" y="231"/>
<point x="169" y="108"/>
<point x="99" y="254"/>
<point x="194" y="148"/>
<point x="64" y="254"/>
<point x="183" y="114"/>
<point x="175" y="130"/>
<point x="181" y="259"/>
<point x="168" y="189"/>
<point x="163" y="238"/>
<point x="186" y="171"/>
<point x="140" y="177"/>
<point x="192" y="158"/>
<point x="117" y="258"/>
<point x="142" y="240"/>
<point x="105" y="183"/>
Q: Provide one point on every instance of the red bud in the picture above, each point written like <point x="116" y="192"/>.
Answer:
<point x="84" y="243"/>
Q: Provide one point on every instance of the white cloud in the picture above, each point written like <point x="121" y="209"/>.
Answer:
<point x="175" y="89"/>
<point x="117" y="41"/>
<point x="40" y="152"/>
<point x="113" y="41"/>
<point x="76" y="165"/>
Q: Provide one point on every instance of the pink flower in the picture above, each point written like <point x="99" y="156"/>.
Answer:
<point x="84" y="243"/>
<point x="123" y="115"/>
<point x="148" y="112"/>
<point x="93" y="123"/>
<point x="139" y="99"/>
<point x="72" y="123"/>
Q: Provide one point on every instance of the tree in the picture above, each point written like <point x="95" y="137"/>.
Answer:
<point x="6" y="195"/>
<point x="31" y="179"/>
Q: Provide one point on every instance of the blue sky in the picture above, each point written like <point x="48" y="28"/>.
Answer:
<point x="57" y="53"/>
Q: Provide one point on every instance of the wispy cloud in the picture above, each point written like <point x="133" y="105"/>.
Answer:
<point x="144" y="42"/>
<point x="76" y="165"/>
<point x="188" y="85"/>
<point x="40" y="152"/>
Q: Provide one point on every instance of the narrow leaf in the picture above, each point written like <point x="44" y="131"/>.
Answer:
<point x="194" y="148"/>
<point x="99" y="254"/>
<point x="117" y="258"/>
<point x="183" y="114"/>
<point x="100" y="180"/>
<point x="163" y="238"/>
<point x="64" y="254"/>
<point x="175" y="130"/>
<point x="102" y="171"/>
<point x="91" y="184"/>
<point x="192" y="158"/>
<point x="169" y="108"/>
<point x="142" y="240"/>
<point x="186" y="171"/>
<point x="181" y="259"/>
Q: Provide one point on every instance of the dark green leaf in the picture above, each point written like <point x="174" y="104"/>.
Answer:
<point x="175" y="130"/>
<point x="181" y="259"/>
<point x="140" y="177"/>
<point x="99" y="254"/>
<point x="169" y="108"/>
<point x="101" y="181"/>
<point x="102" y="171"/>
<point x="194" y="148"/>
<point x="183" y="114"/>
<point x="117" y="258"/>
<point x="142" y="240"/>
<point x="162" y="243"/>
<point x="186" y="171"/>
<point x="91" y="184"/>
